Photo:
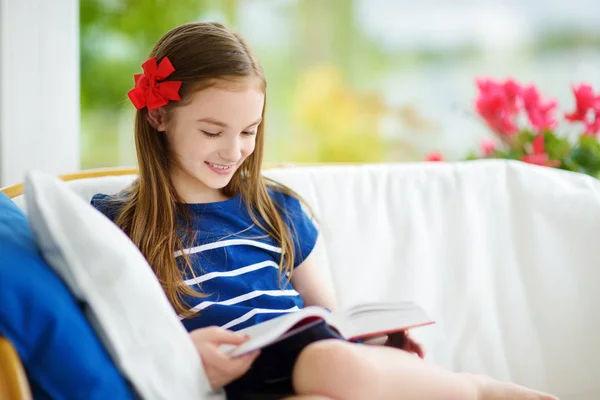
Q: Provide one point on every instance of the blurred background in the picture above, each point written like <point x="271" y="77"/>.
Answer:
<point x="348" y="80"/>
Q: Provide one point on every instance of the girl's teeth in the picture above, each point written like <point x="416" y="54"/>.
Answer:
<point x="220" y="166"/>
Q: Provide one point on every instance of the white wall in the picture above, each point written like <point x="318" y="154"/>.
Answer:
<point x="39" y="87"/>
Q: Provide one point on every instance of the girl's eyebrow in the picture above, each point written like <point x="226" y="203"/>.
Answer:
<point x="223" y="124"/>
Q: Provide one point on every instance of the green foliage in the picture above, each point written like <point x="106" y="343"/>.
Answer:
<point x="585" y="156"/>
<point x="581" y="155"/>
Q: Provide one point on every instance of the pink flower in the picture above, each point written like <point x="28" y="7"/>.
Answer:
<point x="538" y="144"/>
<point x="586" y="105"/>
<point x="513" y="91"/>
<point x="485" y="85"/>
<point x="537" y="159"/>
<point x="592" y="128"/>
<point x="496" y="107"/>
<point x="539" y="156"/>
<point x="584" y="101"/>
<point x="487" y="147"/>
<point x="539" y="113"/>
<point x="434" y="156"/>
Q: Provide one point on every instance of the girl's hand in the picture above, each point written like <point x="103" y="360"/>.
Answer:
<point x="220" y="368"/>
<point x="402" y="340"/>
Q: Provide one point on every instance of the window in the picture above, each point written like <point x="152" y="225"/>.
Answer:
<point x="361" y="80"/>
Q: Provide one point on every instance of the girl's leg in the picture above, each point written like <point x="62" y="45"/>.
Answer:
<point x="342" y="370"/>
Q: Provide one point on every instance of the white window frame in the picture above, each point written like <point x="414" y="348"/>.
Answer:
<point x="39" y="88"/>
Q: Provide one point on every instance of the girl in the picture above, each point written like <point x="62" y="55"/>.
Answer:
<point x="232" y="249"/>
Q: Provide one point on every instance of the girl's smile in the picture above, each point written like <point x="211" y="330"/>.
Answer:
<point x="220" y="168"/>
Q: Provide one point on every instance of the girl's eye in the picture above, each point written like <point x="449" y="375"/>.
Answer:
<point x="211" y="135"/>
<point x="249" y="133"/>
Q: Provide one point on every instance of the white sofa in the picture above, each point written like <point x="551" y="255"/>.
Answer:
<point x="503" y="255"/>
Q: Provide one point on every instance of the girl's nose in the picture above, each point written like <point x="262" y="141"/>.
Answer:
<point x="231" y="152"/>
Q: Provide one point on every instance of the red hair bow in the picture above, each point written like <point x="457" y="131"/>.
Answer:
<point x="148" y="92"/>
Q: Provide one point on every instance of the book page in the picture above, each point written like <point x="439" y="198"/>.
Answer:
<point x="361" y="321"/>
<point x="273" y="330"/>
<point x="378" y="319"/>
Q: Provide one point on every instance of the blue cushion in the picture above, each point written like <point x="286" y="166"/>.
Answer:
<point x="61" y="353"/>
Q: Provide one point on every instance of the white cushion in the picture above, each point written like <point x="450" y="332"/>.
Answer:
<point x="125" y="302"/>
<point x="87" y="187"/>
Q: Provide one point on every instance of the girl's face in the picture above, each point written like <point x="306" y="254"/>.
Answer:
<point x="211" y="137"/>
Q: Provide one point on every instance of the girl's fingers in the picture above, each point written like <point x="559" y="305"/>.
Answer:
<point x="417" y="348"/>
<point x="218" y="336"/>
<point x="213" y="357"/>
<point x="229" y="366"/>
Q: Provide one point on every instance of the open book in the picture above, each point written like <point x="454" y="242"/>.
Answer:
<point x="359" y="322"/>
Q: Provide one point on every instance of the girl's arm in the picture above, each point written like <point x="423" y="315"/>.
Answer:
<point x="308" y="281"/>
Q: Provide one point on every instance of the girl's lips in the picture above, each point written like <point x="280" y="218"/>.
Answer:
<point x="220" y="171"/>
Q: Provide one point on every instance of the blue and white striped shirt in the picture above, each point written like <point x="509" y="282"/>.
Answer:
<point x="236" y="264"/>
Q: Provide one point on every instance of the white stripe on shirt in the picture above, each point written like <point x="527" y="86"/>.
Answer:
<point x="235" y="272"/>
<point x="255" y="311"/>
<point x="245" y="297"/>
<point x="225" y="243"/>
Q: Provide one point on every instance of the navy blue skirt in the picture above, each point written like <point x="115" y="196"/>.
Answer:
<point x="271" y="373"/>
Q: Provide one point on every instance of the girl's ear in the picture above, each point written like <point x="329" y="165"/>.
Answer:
<point x="157" y="118"/>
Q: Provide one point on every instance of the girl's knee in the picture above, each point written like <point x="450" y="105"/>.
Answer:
<point x="328" y="367"/>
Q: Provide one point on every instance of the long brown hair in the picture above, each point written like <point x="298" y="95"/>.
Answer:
<point x="203" y="55"/>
